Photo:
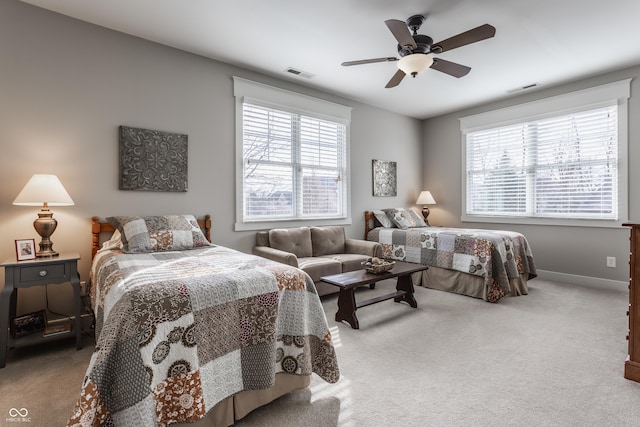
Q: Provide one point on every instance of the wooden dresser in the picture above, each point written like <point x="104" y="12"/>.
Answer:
<point x="632" y="364"/>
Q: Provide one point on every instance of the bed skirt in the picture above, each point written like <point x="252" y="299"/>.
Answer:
<point x="463" y="283"/>
<point x="233" y="408"/>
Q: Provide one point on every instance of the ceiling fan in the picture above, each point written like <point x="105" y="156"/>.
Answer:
<point x="415" y="49"/>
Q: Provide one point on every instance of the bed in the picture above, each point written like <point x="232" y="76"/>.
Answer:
<point x="486" y="264"/>
<point x="188" y="331"/>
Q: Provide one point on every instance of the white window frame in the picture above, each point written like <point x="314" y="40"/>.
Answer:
<point x="269" y="96"/>
<point x="618" y="92"/>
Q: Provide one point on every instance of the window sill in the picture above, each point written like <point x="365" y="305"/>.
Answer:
<point x="594" y="223"/>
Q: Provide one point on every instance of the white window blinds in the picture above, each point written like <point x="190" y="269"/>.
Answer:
<point x="564" y="166"/>
<point x="293" y="165"/>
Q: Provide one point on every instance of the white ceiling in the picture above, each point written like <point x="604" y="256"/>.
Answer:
<point x="547" y="42"/>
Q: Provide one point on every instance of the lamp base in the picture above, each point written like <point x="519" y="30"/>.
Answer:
<point x="47" y="254"/>
<point x="425" y="214"/>
<point x="45" y="225"/>
<point x="46" y="250"/>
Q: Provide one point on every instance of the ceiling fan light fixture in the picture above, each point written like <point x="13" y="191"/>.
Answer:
<point x="415" y="63"/>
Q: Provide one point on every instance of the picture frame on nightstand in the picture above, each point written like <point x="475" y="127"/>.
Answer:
<point x="25" y="249"/>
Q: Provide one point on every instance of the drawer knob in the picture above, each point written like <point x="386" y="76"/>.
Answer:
<point x="42" y="273"/>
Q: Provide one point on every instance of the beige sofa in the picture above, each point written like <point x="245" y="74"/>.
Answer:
<point x="319" y="251"/>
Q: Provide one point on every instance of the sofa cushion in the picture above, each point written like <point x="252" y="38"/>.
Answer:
<point x="294" y="240"/>
<point x="326" y="289"/>
<point x="318" y="267"/>
<point x="327" y="240"/>
<point x="349" y="262"/>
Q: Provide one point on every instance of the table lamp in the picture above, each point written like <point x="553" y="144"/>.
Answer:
<point x="45" y="190"/>
<point x="425" y="198"/>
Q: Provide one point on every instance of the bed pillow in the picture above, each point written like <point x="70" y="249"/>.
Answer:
<point x="115" y="242"/>
<point x="141" y="234"/>
<point x="417" y="218"/>
<point x="404" y="218"/>
<point x="383" y="219"/>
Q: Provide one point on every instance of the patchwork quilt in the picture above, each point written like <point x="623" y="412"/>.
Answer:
<point x="497" y="256"/>
<point x="178" y="332"/>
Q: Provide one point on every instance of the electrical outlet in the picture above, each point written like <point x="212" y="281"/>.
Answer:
<point x="611" y="261"/>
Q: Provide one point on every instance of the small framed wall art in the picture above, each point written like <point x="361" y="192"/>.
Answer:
<point x="384" y="178"/>
<point x="25" y="249"/>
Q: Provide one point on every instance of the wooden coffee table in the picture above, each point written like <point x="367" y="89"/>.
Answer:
<point x="348" y="282"/>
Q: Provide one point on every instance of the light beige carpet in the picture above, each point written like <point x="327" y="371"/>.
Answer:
<point x="554" y="357"/>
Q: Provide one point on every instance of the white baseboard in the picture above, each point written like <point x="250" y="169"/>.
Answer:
<point x="575" y="279"/>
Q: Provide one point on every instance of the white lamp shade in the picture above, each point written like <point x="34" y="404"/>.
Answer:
<point x="425" y="198"/>
<point x="415" y="63"/>
<point x="42" y="188"/>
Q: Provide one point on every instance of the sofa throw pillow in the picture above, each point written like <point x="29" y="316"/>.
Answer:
<point x="296" y="241"/>
<point x="327" y="240"/>
<point x="142" y="234"/>
<point x="403" y="218"/>
<point x="383" y="219"/>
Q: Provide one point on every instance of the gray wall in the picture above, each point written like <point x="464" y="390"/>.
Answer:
<point x="66" y="86"/>
<point x="580" y="251"/>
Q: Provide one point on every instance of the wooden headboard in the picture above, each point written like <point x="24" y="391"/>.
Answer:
<point x="370" y="222"/>
<point x="98" y="227"/>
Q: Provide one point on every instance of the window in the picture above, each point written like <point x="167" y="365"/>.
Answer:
<point x="292" y="160"/>
<point x="564" y="166"/>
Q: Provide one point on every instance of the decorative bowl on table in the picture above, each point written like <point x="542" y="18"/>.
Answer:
<point x="377" y="265"/>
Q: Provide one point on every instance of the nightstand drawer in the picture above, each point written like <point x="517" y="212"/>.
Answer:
<point x="29" y="274"/>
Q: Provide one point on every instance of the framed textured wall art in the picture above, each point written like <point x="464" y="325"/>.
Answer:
<point x="384" y="178"/>
<point x="152" y="160"/>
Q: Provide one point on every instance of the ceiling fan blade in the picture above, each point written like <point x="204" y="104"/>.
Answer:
<point x="451" y="68"/>
<point x="482" y="32"/>
<point x="396" y="79"/>
<point x="369" y="61"/>
<point x="401" y="32"/>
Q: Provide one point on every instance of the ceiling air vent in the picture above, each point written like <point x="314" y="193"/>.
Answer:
<point x="520" y="89"/>
<point x="299" y="73"/>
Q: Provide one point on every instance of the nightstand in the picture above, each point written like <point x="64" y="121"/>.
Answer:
<point x="37" y="272"/>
